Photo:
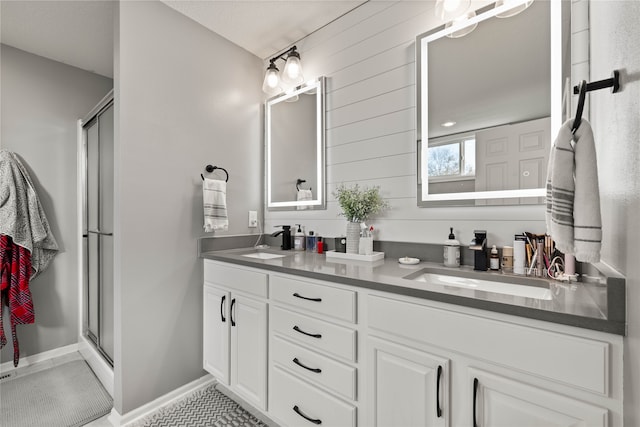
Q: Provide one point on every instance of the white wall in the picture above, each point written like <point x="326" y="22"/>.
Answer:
<point x="41" y="103"/>
<point x="368" y="56"/>
<point x="185" y="97"/>
<point x="616" y="124"/>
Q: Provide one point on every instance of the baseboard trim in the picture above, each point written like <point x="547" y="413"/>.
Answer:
<point x="7" y="367"/>
<point x="100" y="367"/>
<point x="122" y="420"/>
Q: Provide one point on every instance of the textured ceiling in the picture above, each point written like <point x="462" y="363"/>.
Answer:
<point x="80" y="32"/>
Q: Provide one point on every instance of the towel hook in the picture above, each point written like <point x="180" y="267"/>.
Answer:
<point x="210" y="168"/>
<point x="613" y="83"/>
<point x="578" y="119"/>
<point x="300" y="181"/>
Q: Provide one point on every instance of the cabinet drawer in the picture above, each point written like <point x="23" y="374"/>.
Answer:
<point x="316" y="368"/>
<point x="289" y="392"/>
<point x="324" y="336"/>
<point x="236" y="278"/>
<point x="325" y="300"/>
<point x="577" y="361"/>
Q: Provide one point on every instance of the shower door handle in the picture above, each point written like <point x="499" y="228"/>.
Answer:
<point x="98" y="232"/>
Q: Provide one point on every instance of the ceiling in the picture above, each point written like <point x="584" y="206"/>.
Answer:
<point x="80" y="33"/>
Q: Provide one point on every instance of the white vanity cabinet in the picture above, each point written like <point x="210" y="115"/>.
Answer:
<point x="313" y="347"/>
<point x="494" y="372"/>
<point x="342" y="355"/>
<point x="235" y="329"/>
<point x="408" y="386"/>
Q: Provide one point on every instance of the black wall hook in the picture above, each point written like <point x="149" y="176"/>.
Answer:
<point x="300" y="181"/>
<point x="210" y="168"/>
<point x="584" y="87"/>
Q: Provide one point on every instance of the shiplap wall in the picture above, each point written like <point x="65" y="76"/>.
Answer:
<point x="368" y="57"/>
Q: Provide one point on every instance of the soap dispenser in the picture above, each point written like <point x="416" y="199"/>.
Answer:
<point x="451" y="250"/>
<point x="298" y="239"/>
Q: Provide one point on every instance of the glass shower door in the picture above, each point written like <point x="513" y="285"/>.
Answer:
<point x="98" y="233"/>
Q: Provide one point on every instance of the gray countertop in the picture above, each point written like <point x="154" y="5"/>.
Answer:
<point x="597" y="302"/>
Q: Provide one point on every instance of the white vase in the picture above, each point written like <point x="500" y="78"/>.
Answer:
<point x="353" y="237"/>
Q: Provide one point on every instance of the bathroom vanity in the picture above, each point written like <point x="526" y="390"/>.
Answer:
<point x="310" y="340"/>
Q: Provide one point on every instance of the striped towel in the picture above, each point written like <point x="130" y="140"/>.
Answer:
<point x="214" y="201"/>
<point x="303" y="196"/>
<point x="573" y="198"/>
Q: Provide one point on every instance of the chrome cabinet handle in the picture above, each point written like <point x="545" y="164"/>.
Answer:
<point x="297" y="329"/>
<point x="297" y="362"/>
<point x="299" y="412"/>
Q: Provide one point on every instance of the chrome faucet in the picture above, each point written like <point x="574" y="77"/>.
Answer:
<point x="479" y="246"/>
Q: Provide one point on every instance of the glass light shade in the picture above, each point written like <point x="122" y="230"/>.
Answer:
<point x="518" y="6"/>
<point x="447" y="10"/>
<point x="271" y="84"/>
<point x="292" y="73"/>
<point x="463" y="31"/>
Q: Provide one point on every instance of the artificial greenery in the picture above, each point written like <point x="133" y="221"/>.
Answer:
<point x="359" y="204"/>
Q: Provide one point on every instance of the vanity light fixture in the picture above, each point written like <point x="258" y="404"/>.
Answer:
<point x="291" y="75"/>
<point x="446" y="10"/>
<point x="271" y="84"/>
<point x="449" y="123"/>
<point x="460" y="20"/>
<point x="518" y="6"/>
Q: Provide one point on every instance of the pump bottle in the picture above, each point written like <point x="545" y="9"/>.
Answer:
<point x="451" y="250"/>
<point x="298" y="239"/>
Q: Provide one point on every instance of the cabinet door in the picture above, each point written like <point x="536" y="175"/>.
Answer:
<point x="249" y="349"/>
<point x="409" y="387"/>
<point x="216" y="333"/>
<point x="496" y="401"/>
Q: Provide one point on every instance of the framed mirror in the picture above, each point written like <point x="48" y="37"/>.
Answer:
<point x="488" y="105"/>
<point x="295" y="147"/>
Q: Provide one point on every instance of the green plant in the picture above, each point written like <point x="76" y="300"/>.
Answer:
<point x="359" y="204"/>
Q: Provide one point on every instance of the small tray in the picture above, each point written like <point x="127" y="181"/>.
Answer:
<point x="356" y="257"/>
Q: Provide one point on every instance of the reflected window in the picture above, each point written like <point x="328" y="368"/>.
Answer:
<point x="452" y="158"/>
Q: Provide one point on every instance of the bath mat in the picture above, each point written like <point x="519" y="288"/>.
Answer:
<point x="206" y="407"/>
<point x="67" y="395"/>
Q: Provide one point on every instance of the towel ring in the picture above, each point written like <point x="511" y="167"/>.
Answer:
<point x="300" y="181"/>
<point x="210" y="169"/>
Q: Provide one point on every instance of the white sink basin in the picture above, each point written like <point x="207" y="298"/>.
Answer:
<point x="263" y="255"/>
<point x="499" y="287"/>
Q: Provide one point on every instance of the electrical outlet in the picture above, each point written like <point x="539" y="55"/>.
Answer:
<point x="253" y="219"/>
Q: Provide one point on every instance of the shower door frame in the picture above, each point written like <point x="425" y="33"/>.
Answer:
<point x="83" y="189"/>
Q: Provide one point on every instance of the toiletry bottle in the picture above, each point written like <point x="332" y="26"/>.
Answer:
<point x="311" y="242"/>
<point x="451" y="250"/>
<point x="494" y="260"/>
<point x="519" y="254"/>
<point x="320" y="245"/>
<point x="507" y="259"/>
<point x="298" y="239"/>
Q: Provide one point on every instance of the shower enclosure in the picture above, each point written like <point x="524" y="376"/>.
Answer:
<point x="97" y="227"/>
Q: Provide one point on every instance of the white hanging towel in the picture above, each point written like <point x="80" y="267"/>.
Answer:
<point x="214" y="201"/>
<point x="573" y="198"/>
<point x="303" y="196"/>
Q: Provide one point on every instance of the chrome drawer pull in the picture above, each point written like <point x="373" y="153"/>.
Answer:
<point x="299" y="412"/>
<point x="297" y="362"/>
<point x="297" y="295"/>
<point x="295" y="328"/>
